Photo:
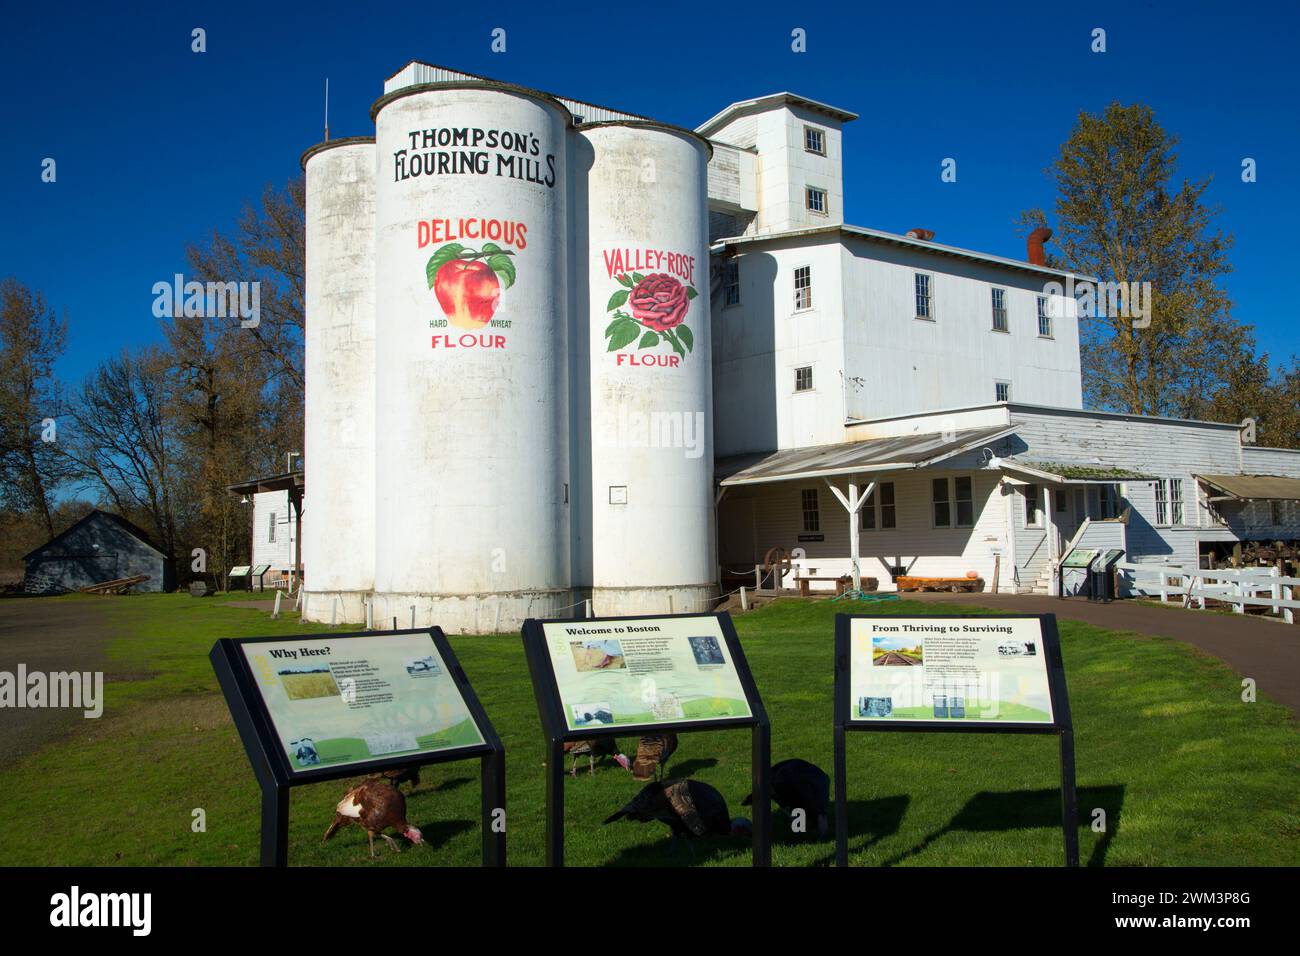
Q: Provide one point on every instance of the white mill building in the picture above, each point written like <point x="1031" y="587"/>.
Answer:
<point x="556" y="352"/>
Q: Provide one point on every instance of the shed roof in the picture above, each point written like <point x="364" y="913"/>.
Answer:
<point x="132" y="529"/>
<point x="1255" y="487"/>
<point x="850" y="458"/>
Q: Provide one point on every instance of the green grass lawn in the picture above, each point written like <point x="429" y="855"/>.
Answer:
<point x="1186" y="773"/>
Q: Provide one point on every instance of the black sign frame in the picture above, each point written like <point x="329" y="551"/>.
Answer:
<point x="1062" y="725"/>
<point x="276" y="776"/>
<point x="556" y="732"/>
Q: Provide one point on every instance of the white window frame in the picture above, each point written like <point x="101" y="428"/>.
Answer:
<point x="1000" y="311"/>
<point x="807" y="307"/>
<point x="946" y="502"/>
<point x="730" y="282"/>
<point x="811" y="379"/>
<point x="1035" y="517"/>
<point x="1044" y="319"/>
<point x="270" y="531"/>
<point x="1112" y="494"/>
<point x="821" y="138"/>
<point x="808" y="192"/>
<point x="998" y="385"/>
<point x="811" y="509"/>
<point x="953" y="504"/>
<point x="929" y="295"/>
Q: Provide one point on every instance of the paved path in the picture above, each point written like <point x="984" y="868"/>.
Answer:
<point x="47" y="635"/>
<point x="1267" y="650"/>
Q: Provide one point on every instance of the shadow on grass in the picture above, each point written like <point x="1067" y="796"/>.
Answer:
<point x="443" y="786"/>
<point x="1025" y="810"/>
<point x="681" y="852"/>
<point x="870" y="821"/>
<point x="684" y="768"/>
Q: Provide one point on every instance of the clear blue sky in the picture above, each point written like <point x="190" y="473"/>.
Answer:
<point x="156" y="145"/>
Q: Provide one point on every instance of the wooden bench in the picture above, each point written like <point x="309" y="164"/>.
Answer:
<point x="842" y="584"/>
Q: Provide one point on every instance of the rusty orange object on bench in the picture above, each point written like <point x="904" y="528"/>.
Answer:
<point x="909" y="583"/>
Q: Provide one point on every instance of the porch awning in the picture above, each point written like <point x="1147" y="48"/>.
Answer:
<point x="1254" y="487"/>
<point x="851" y="458"/>
<point x="288" y="481"/>
<point x="1066" y="473"/>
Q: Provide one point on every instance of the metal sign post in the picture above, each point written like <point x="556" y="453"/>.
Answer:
<point x="1060" y="724"/>
<point x="276" y="775"/>
<point x="556" y="729"/>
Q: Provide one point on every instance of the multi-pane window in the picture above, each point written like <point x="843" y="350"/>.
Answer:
<point x="803" y="379"/>
<point x="1108" y="501"/>
<point x="999" y="310"/>
<point x="924" y="296"/>
<point x="811" y="518"/>
<point x="888" y="517"/>
<point x="942" y="504"/>
<point x="1044" y="318"/>
<point x="803" y="287"/>
<point x="816" y="199"/>
<point x="953" y="502"/>
<point x="814" y="140"/>
<point x="1001" y="391"/>
<point x="1033" y="506"/>
<point x="731" y="282"/>
<point x="964" y="496"/>
<point x="1275" y="513"/>
<point x="1169" y="501"/>
<point x="882" y="497"/>
<point x="270" y="528"/>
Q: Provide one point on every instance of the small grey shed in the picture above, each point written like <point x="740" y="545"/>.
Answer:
<point x="100" y="547"/>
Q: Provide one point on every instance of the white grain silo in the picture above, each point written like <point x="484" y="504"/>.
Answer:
<point x="471" y="345"/>
<point x="338" y="531"/>
<point x="648" y="462"/>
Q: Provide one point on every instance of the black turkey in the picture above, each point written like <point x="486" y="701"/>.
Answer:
<point x="799" y="785"/>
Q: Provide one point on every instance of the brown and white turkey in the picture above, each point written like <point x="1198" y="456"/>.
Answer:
<point x="374" y="805"/>
<point x="593" y="748"/>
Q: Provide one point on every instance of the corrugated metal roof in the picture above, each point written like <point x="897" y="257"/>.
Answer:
<point x="1255" y="487"/>
<point x="848" y="458"/>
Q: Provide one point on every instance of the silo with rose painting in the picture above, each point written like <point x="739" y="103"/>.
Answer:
<point x="472" y="357"/>
<point x="645" y="539"/>
<point x="338" y="540"/>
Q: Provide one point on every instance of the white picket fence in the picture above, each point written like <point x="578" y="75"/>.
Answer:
<point x="1257" y="587"/>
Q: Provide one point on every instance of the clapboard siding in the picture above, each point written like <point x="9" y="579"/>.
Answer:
<point x="915" y="543"/>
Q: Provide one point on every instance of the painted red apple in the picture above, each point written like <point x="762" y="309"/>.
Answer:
<point x="468" y="291"/>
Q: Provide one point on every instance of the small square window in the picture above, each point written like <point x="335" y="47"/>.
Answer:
<point x="999" y="310"/>
<point x="618" y="494"/>
<point x="803" y="381"/>
<point x="1044" y="318"/>
<point x="1001" y="391"/>
<point x="803" y="287"/>
<point x="731" y="282"/>
<point x="924" y="296"/>
<point x="814" y="140"/>
<point x="816" y="200"/>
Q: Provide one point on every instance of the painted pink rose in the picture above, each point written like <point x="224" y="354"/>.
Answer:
<point x="659" y="302"/>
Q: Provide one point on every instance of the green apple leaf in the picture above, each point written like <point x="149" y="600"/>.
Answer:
<point x="623" y="336"/>
<point x="625" y="280"/>
<point x="690" y="292"/>
<point x="489" y="248"/>
<point x="649" y="340"/>
<point x="687" y="337"/>
<point x="503" y="267"/>
<point x="451" y="250"/>
<point x="616" y="300"/>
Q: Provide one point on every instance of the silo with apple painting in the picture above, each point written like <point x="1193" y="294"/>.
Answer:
<point x="338" y="540"/>
<point x="471" y="345"/>
<point x="648" y="543"/>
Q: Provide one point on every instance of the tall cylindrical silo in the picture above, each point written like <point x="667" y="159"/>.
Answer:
<point x="650" y="544"/>
<point x="338" y="521"/>
<point x="471" y="344"/>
